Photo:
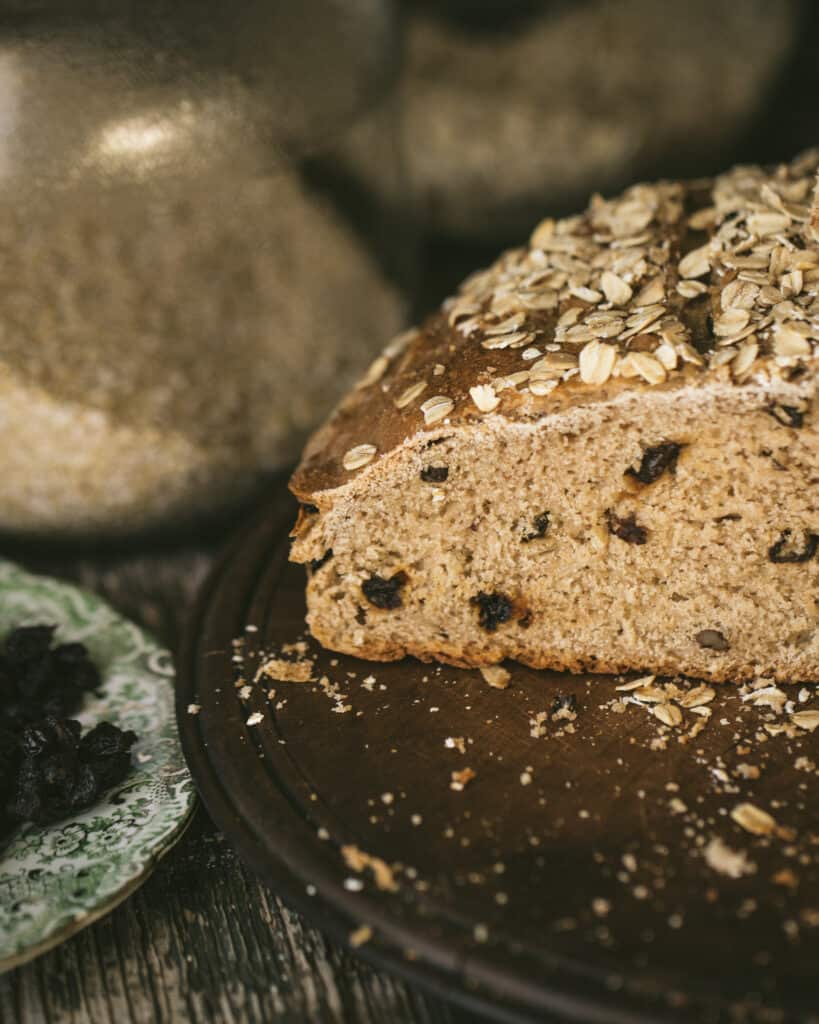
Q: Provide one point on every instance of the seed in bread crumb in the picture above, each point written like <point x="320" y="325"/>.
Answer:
<point x="484" y="397"/>
<point x="359" y="456"/>
<point x="436" y="408"/>
<point x="636" y="684"/>
<point x="758" y="822"/>
<point x="410" y="394"/>
<point x="597" y="360"/>
<point x="808" y="720"/>
<point x="697" y="697"/>
<point x="668" y="714"/>
<point x="497" y="676"/>
<point x="712" y="639"/>
<point x="617" y="292"/>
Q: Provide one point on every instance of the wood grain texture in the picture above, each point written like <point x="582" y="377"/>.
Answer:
<point x="202" y="940"/>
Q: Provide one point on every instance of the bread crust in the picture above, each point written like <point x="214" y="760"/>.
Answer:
<point x="684" y="336"/>
<point x="733" y="671"/>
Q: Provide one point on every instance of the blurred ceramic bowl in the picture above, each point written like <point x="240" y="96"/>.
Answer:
<point x="186" y="285"/>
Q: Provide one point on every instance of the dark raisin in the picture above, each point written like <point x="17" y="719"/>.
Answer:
<point x="317" y="563"/>
<point x="655" y="461"/>
<point x="564" y="702"/>
<point x="784" y="551"/>
<point x="434" y="474"/>
<point x="28" y="642"/>
<point x="46" y="770"/>
<point x="626" y="527"/>
<point x="110" y="771"/>
<point x="712" y="639"/>
<point x="105" y="740"/>
<point x="70" y="654"/>
<point x="60" y="773"/>
<point x="383" y="593"/>
<point x="540" y="524"/>
<point x="85" y="788"/>
<point x="33" y="676"/>
<point x="310" y="509"/>
<point x="493" y="609"/>
<point x="787" y="415"/>
<point x="34" y="739"/>
<point x="361" y="615"/>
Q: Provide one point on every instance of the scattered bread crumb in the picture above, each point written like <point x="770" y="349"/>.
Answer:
<point x="461" y="779"/>
<point x="287" y="671"/>
<point x="358" y="860"/>
<point x="733" y="863"/>
<point x="360" y="936"/>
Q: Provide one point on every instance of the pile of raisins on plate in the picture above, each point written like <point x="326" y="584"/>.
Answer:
<point x="48" y="769"/>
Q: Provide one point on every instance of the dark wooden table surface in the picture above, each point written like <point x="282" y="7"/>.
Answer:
<point x="202" y="940"/>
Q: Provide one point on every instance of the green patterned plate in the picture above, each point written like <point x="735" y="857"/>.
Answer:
<point x="55" y="880"/>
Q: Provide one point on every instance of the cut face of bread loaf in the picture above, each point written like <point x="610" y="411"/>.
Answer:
<point x="602" y="455"/>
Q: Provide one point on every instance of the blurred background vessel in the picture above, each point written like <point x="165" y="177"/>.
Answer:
<point x="197" y="254"/>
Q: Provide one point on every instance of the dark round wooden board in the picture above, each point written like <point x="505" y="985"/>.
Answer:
<point x="566" y="880"/>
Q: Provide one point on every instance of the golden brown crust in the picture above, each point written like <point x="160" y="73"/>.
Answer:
<point x="665" y="285"/>
<point x="732" y="671"/>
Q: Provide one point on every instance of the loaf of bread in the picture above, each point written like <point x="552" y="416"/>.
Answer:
<point x="601" y="455"/>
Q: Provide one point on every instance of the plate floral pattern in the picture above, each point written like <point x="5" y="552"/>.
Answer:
<point x="56" y="879"/>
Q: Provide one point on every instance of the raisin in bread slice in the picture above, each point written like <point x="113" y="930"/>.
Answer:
<point x="601" y="455"/>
